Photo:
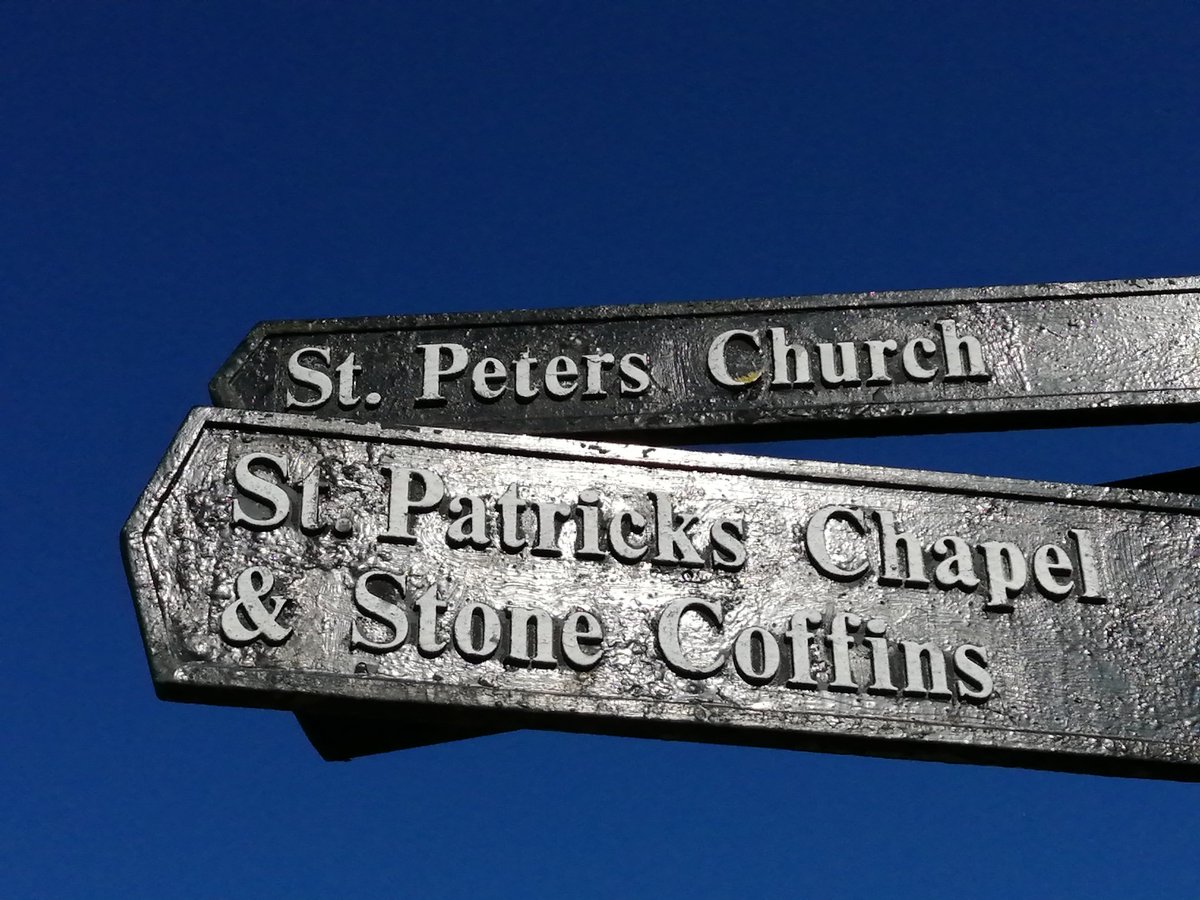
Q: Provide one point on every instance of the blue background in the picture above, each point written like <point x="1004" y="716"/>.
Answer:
<point x="172" y="173"/>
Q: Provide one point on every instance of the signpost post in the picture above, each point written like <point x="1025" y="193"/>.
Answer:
<point x="878" y="363"/>
<point x="483" y="582"/>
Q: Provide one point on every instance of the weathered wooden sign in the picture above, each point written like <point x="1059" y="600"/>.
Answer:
<point x="484" y="581"/>
<point x="941" y="360"/>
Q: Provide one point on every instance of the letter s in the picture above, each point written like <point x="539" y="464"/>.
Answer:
<point x="256" y="488"/>
<point x="378" y="610"/>
<point x="302" y="374"/>
<point x="728" y="539"/>
<point x="974" y="680"/>
<point x="635" y="374"/>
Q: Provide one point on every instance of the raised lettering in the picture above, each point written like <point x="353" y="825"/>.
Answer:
<point x="790" y="363"/>
<point x="1049" y="562"/>
<point x="582" y="630"/>
<point x="635" y="374"/>
<point x="800" y="638"/>
<point x="673" y="547"/>
<point x="476" y="632"/>
<point x="429" y="607"/>
<point x="818" y="551"/>
<point x="902" y="564"/>
<point x="625" y="523"/>
<point x="509" y="506"/>
<point x="265" y="492"/>
<point x="310" y="493"/>
<point x="379" y="610"/>
<point x="877" y="353"/>
<point x="718" y="364"/>
<point x="974" y="680"/>
<point x="468" y="523"/>
<point x="839" y="639"/>
<point x="875" y="632"/>
<point x="918" y="660"/>
<point x="668" y="637"/>
<point x="1091" y="588"/>
<point x="957" y="566"/>
<point x="727" y="538"/>
<point x="523" y="367"/>
<point x="835" y="373"/>
<point x="594" y="366"/>
<point x="912" y="366"/>
<point x="587" y="532"/>
<point x="433" y="373"/>
<point x="489" y="379"/>
<point x="404" y="499"/>
<point x="1006" y="573"/>
<point x="347" y="372"/>
<point x="959" y="349"/>
<point x="531" y="638"/>
<point x="549" y="517"/>
<point x="756" y="655"/>
<point x="309" y="377"/>
<point x="561" y="377"/>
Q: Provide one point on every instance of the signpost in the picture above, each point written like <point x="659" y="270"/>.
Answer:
<point x="340" y="737"/>
<point x="940" y="360"/>
<point x="484" y="582"/>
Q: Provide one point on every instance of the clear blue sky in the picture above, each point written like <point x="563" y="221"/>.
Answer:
<point x="172" y="173"/>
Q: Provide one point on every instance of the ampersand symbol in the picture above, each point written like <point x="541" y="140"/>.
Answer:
<point x="247" y="606"/>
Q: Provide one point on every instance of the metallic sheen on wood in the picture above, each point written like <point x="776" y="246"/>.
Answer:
<point x="741" y="599"/>
<point x="1043" y="355"/>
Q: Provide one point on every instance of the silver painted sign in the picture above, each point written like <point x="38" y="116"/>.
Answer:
<point x="939" y="360"/>
<point x="480" y="581"/>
